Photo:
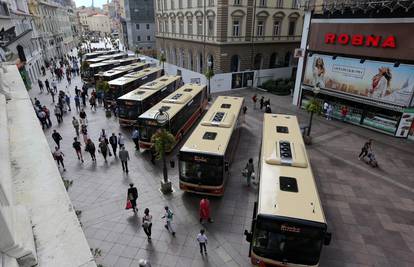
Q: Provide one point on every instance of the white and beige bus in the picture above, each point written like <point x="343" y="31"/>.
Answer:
<point x="120" y="71"/>
<point x="88" y="75"/>
<point x="289" y="226"/>
<point x="136" y="102"/>
<point x="131" y="81"/>
<point x="183" y="107"/>
<point x="205" y="157"/>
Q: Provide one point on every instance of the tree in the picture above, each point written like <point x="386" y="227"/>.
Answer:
<point x="84" y="66"/>
<point x="209" y="74"/>
<point x="137" y="52"/>
<point x="163" y="142"/>
<point x="162" y="59"/>
<point x="313" y="106"/>
<point x="102" y="86"/>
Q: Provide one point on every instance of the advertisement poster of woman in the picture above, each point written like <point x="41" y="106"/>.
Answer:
<point x="381" y="83"/>
<point x="318" y="72"/>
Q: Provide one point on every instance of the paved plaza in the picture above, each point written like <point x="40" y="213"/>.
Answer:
<point x="369" y="211"/>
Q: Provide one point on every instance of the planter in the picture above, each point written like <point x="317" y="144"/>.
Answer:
<point x="166" y="187"/>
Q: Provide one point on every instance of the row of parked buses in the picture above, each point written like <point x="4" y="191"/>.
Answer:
<point x="288" y="224"/>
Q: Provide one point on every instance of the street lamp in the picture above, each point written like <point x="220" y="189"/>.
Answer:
<point x="315" y="91"/>
<point x="162" y="58"/>
<point x="163" y="118"/>
<point x="209" y="64"/>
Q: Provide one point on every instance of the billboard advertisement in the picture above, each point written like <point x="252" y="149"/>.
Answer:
<point x="369" y="79"/>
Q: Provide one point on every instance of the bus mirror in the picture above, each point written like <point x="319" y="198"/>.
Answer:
<point x="327" y="239"/>
<point x="248" y="236"/>
<point x="226" y="166"/>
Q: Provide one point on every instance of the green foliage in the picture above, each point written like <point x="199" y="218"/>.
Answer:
<point x="96" y="252"/>
<point x="279" y="86"/>
<point x="137" y="52"/>
<point x="102" y="86"/>
<point x="84" y="66"/>
<point x="67" y="183"/>
<point x="163" y="142"/>
<point x="209" y="73"/>
<point x="162" y="58"/>
<point x="314" y="106"/>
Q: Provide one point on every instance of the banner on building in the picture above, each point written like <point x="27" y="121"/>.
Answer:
<point x="368" y="79"/>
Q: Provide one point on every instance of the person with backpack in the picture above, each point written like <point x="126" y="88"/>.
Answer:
<point x="103" y="147"/>
<point x="268" y="109"/>
<point x="365" y="149"/>
<point x="168" y="216"/>
<point x="132" y="196"/>
<point x="202" y="241"/>
<point x="147" y="223"/>
<point x="249" y="170"/>
<point x="56" y="137"/>
<point x="78" y="148"/>
<point x="58" y="156"/>
<point x="90" y="147"/>
<point x="40" y="85"/>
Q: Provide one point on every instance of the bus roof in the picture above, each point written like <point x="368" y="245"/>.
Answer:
<point x="120" y="69"/>
<point x="149" y="88"/>
<point x="113" y="55"/>
<point x="128" y="59"/>
<point x="303" y="204"/>
<point x="219" y="121"/>
<point x="133" y="76"/>
<point x="175" y="101"/>
<point x="95" y="60"/>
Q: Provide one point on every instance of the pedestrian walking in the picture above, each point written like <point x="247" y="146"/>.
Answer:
<point x="244" y="113"/>
<point x="90" y="147"/>
<point x="58" y="156"/>
<point x="365" y="149"/>
<point x="144" y="263"/>
<point x="84" y="132"/>
<point x="83" y="97"/>
<point x="92" y="102"/>
<point x="82" y="116"/>
<point x="249" y="171"/>
<point x="261" y="102"/>
<point x="113" y="140"/>
<point x="67" y="100"/>
<point x="124" y="157"/>
<point x="254" y="98"/>
<point x="329" y="112"/>
<point x="47" y="85"/>
<point x="121" y="140"/>
<point x="41" y="115"/>
<point x="202" y="241"/>
<point x="54" y="86"/>
<point x="43" y="70"/>
<point x="132" y="196"/>
<point x="103" y="148"/>
<point x="47" y="112"/>
<point x="325" y="109"/>
<point x="52" y="93"/>
<point x="135" y="138"/>
<point x="77" y="103"/>
<point x="78" y="148"/>
<point x="40" y="85"/>
<point x="75" y="124"/>
<point x="58" y="114"/>
<point x="147" y="223"/>
<point x="205" y="210"/>
<point x="268" y="109"/>
<point x="168" y="220"/>
<point x="56" y="137"/>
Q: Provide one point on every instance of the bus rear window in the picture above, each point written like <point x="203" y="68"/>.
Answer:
<point x="201" y="173"/>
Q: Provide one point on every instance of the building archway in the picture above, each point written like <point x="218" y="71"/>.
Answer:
<point x="288" y="57"/>
<point x="210" y="61"/>
<point x="273" y="60"/>
<point x="235" y="63"/>
<point x="258" y="61"/>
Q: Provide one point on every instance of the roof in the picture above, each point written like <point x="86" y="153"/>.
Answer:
<point x="130" y="77"/>
<point x="120" y="69"/>
<point x="174" y="101"/>
<point x="223" y="127"/>
<point x="149" y="88"/>
<point x="305" y="203"/>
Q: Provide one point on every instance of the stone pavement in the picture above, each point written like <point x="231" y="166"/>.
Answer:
<point x="369" y="211"/>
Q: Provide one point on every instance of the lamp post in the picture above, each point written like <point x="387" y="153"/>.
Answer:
<point x="209" y="64"/>
<point x="315" y="91"/>
<point x="162" y="118"/>
<point x="162" y="58"/>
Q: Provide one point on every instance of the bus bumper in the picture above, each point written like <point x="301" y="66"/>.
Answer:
<point x="126" y="123"/>
<point x="257" y="261"/>
<point x="145" y="145"/>
<point x="215" y="191"/>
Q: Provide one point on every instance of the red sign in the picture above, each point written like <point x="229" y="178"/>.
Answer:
<point x="360" y="40"/>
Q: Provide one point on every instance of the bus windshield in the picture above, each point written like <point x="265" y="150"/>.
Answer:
<point x="129" y="110"/>
<point x="201" y="172"/>
<point x="287" y="242"/>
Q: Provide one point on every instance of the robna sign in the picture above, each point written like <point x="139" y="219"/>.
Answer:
<point x="360" y="40"/>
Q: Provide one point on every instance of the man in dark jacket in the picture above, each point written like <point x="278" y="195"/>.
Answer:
<point x="113" y="140"/>
<point x="133" y="196"/>
<point x="124" y="157"/>
<point x="57" y="137"/>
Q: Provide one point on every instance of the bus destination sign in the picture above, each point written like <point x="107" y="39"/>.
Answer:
<point x="288" y="228"/>
<point x="200" y="159"/>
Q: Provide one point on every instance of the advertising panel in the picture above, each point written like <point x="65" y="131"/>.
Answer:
<point x="406" y="124"/>
<point x="370" y="79"/>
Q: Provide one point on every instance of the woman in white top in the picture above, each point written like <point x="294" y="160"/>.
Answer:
<point x="147" y="223"/>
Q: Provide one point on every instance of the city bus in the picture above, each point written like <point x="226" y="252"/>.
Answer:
<point x="129" y="82"/>
<point x="183" y="107"/>
<point x="98" y="53"/>
<point x="136" y="102"/>
<point x="107" y="57"/>
<point x="205" y="157"/>
<point x="289" y="226"/>
<point x="120" y="71"/>
<point x="88" y="76"/>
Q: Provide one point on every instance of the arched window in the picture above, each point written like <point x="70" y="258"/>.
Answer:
<point x="235" y="63"/>
<point x="288" y="57"/>
<point x="258" y="61"/>
<point x="273" y="61"/>
<point x="190" y="60"/>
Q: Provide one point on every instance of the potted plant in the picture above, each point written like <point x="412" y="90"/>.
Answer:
<point x="313" y="106"/>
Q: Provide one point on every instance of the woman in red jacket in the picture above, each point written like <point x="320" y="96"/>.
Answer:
<point x="205" y="210"/>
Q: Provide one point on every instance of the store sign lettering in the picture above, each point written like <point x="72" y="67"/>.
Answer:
<point x="360" y="40"/>
<point x="287" y="228"/>
<point x="200" y="159"/>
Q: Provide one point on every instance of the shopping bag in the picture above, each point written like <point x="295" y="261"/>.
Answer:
<point x="128" y="205"/>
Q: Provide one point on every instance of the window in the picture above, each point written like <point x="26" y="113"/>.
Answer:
<point x="262" y="3"/>
<point x="165" y="5"/>
<point x="258" y="61"/>
<point x="173" y="26"/>
<point x="273" y="63"/>
<point x="287" y="59"/>
<point x="292" y="25"/>
<point x="172" y="4"/>
<point x="210" y="30"/>
<point x="210" y="2"/>
<point x="181" y="26"/>
<point x="160" y="26"/>
<point x="209" y="135"/>
<point x="279" y="3"/>
<point x="295" y="4"/>
<point x="148" y="26"/>
<point x="180" y="4"/>
<point x="199" y="27"/>
<point x="237" y="2"/>
<point x="200" y="3"/>
<point x="158" y="4"/>
<point x="189" y="3"/>
<point x="236" y="28"/>
<point x="260" y="28"/>
<point x="148" y="38"/>
<point x="190" y="27"/>
<point x="139" y="38"/>
<point x="276" y="28"/>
